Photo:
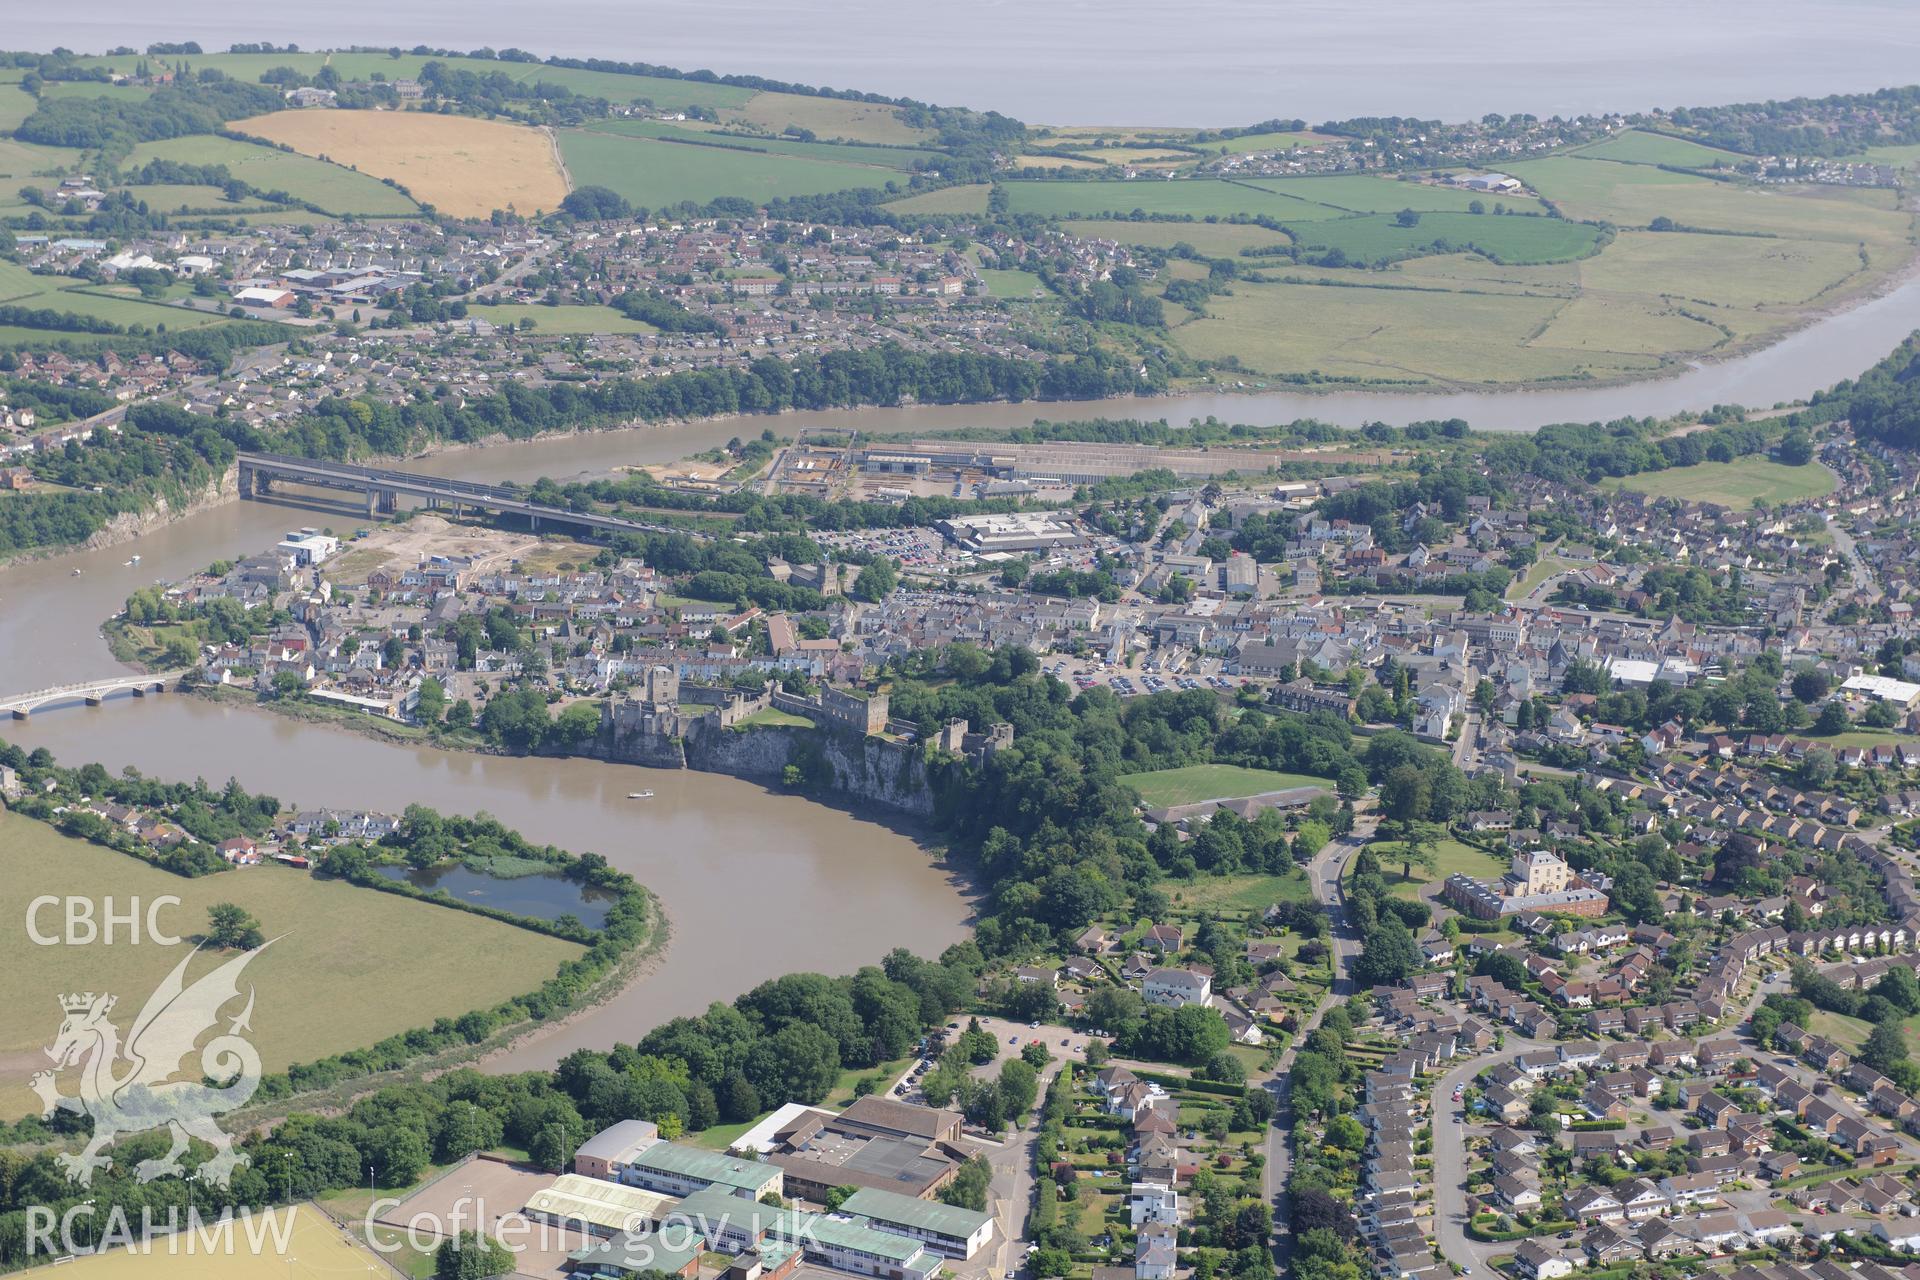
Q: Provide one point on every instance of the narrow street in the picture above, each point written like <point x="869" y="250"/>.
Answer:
<point x="1011" y="1191"/>
<point x="1450" y="1157"/>
<point x="1324" y="873"/>
<point x="1466" y="747"/>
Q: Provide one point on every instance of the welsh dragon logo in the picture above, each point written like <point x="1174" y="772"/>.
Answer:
<point x="129" y="1088"/>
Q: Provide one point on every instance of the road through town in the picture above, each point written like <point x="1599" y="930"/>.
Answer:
<point x="1325" y="874"/>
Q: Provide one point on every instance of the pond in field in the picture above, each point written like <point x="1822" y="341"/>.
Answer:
<point x="541" y="896"/>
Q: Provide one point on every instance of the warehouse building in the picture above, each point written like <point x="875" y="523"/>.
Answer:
<point x="595" y="1207"/>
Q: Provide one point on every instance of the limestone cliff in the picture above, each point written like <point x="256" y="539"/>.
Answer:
<point x="833" y="762"/>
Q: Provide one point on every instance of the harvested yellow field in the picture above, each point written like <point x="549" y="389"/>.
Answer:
<point x="461" y="166"/>
<point x="295" y="1241"/>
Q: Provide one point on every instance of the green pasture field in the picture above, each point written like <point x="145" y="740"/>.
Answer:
<point x="126" y="311"/>
<point x="27" y="164"/>
<point x="902" y="158"/>
<point x="1638" y="147"/>
<point x="1356" y="193"/>
<point x="1470" y="271"/>
<point x="561" y="319"/>
<point x="1250" y="142"/>
<point x="16" y="104"/>
<point x="1019" y="286"/>
<point x="1594" y="189"/>
<point x="1733" y="271"/>
<point x="167" y="197"/>
<point x="662" y="91"/>
<point x="330" y="186"/>
<point x="1898" y="156"/>
<point x="1518" y="240"/>
<point x="21" y="288"/>
<point x="827" y="118"/>
<point x="1196" y="197"/>
<point x="1634" y="195"/>
<point x="1390" y="334"/>
<point x="15" y="337"/>
<point x="655" y="175"/>
<point x="1738" y="484"/>
<point x="350" y="966"/>
<point x="1214" y="239"/>
<point x="1600" y="323"/>
<point x="1193" y="783"/>
<point x="956" y="200"/>
<point x="94" y="89"/>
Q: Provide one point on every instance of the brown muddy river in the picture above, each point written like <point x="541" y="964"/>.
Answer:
<point x="756" y="884"/>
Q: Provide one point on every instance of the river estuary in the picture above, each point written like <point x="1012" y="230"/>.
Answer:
<point x="1126" y="62"/>
<point x="756" y="884"/>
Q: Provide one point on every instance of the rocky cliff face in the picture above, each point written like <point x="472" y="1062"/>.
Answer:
<point x="654" y="750"/>
<point x="135" y="524"/>
<point x="871" y="770"/>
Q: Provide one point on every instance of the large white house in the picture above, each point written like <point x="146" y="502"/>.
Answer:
<point x="1175" y="987"/>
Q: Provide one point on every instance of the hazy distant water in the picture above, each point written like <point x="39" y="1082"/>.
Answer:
<point x="1123" y="61"/>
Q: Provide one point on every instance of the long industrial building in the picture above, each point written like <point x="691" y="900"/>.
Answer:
<point x="1077" y="463"/>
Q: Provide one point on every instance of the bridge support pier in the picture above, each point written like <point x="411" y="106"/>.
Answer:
<point x="95" y="699"/>
<point x="388" y="502"/>
<point x="139" y="691"/>
<point x="246" y="481"/>
<point x="20" y="713"/>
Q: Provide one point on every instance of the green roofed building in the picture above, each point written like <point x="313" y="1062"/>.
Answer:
<point x="732" y="1225"/>
<point x="729" y="1223"/>
<point x="674" y="1170"/>
<point x="846" y="1245"/>
<point x="944" y="1228"/>
<point x="622" y="1257"/>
